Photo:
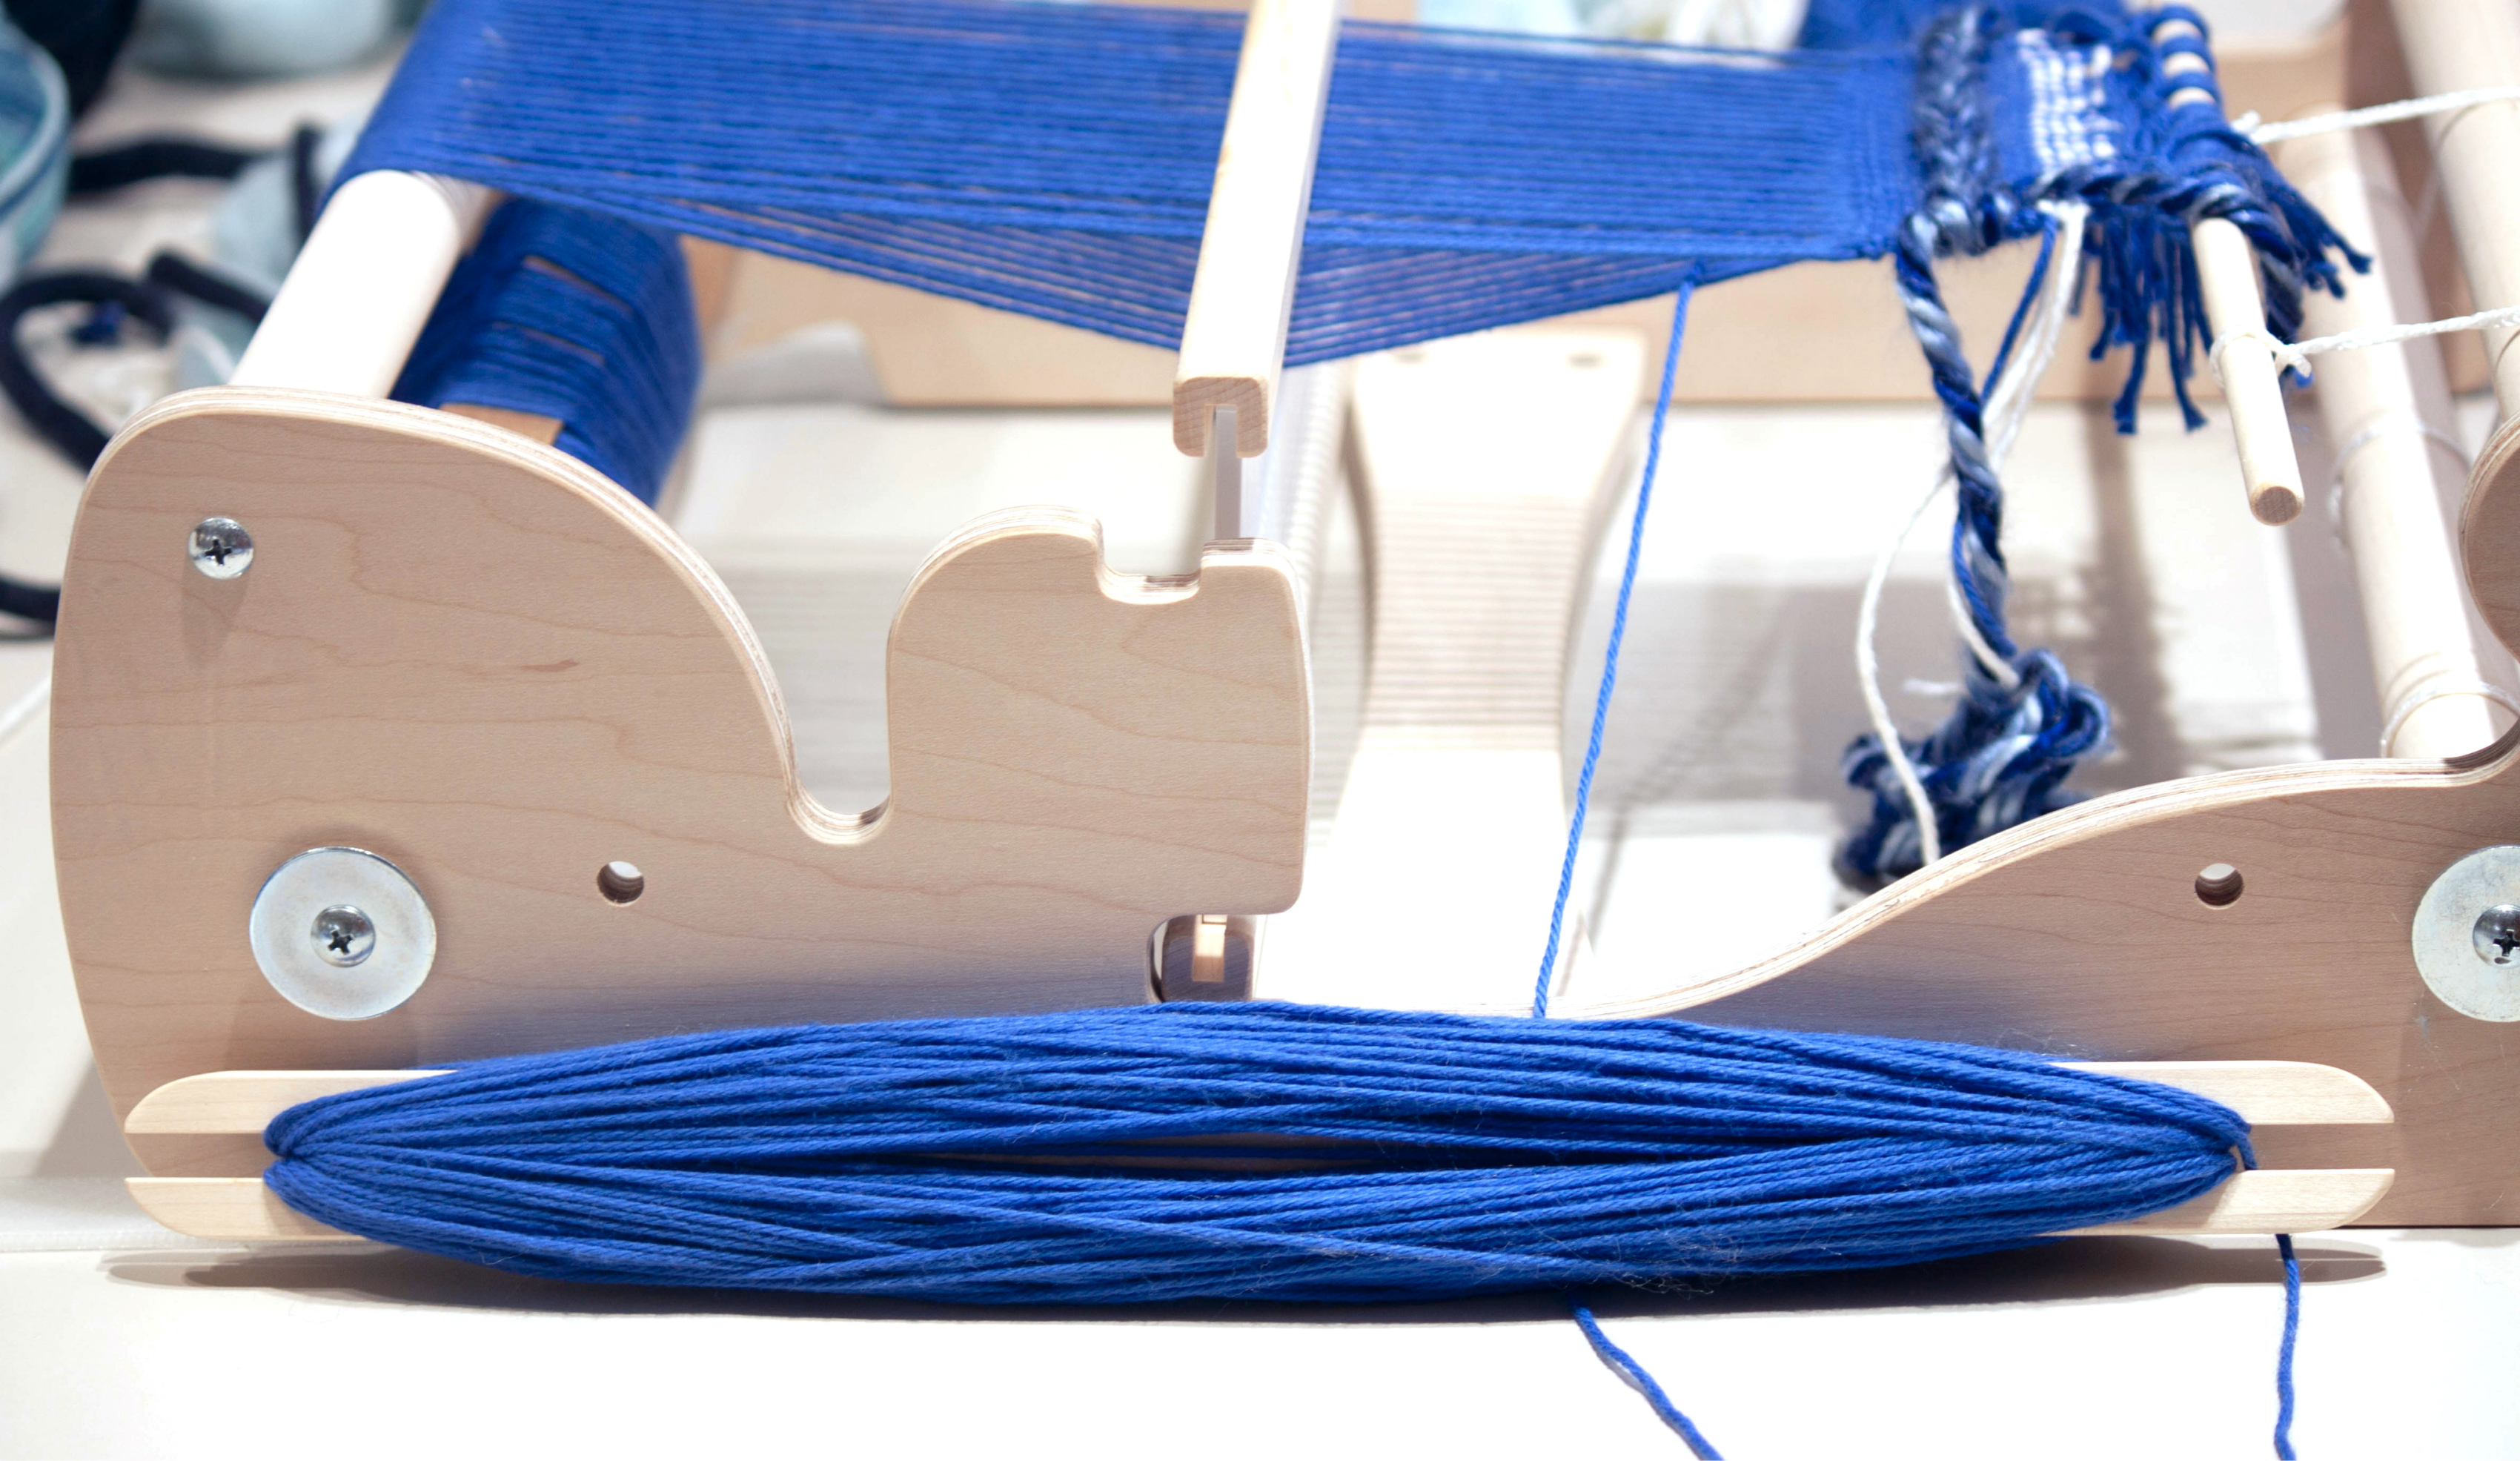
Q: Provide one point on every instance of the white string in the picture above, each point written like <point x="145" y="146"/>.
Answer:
<point x="2295" y="354"/>
<point x="2006" y="404"/>
<point x="25" y="709"/>
<point x="2386" y="424"/>
<point x="2416" y="700"/>
<point x="2265" y="132"/>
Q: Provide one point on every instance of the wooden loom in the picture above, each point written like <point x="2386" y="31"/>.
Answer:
<point x="477" y="662"/>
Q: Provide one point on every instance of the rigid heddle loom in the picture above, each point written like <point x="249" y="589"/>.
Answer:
<point x="1013" y="1035"/>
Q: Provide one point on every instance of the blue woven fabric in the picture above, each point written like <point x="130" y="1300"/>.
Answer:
<point x="1092" y="1157"/>
<point x="578" y="316"/>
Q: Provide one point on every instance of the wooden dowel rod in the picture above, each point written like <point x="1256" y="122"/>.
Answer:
<point x="2226" y="268"/>
<point x="1235" y="337"/>
<point x="2388" y="420"/>
<point x="353" y="304"/>
<point x="2462" y="45"/>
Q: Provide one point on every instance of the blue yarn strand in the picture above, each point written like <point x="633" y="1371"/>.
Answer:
<point x="1618" y="1359"/>
<point x="1626" y="1367"/>
<point x="1610" y="655"/>
<point x="2283" y="1354"/>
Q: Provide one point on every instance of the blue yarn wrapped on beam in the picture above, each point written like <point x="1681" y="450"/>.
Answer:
<point x="582" y="317"/>
<point x="1218" y="1151"/>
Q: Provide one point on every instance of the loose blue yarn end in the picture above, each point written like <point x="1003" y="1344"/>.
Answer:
<point x="1103" y="1157"/>
<point x="2147" y="169"/>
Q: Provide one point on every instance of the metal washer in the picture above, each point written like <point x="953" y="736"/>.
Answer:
<point x="2445" y="934"/>
<point x="323" y="877"/>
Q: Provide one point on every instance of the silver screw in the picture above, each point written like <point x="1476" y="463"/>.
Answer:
<point x="2497" y="935"/>
<point x="222" y="548"/>
<point x="344" y="935"/>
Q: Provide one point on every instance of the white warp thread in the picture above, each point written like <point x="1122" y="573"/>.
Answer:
<point x="2423" y="695"/>
<point x="2295" y="354"/>
<point x="2265" y="132"/>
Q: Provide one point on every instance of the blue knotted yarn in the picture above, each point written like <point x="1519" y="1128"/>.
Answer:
<point x="578" y="316"/>
<point x="1217" y="1151"/>
<point x="2146" y="174"/>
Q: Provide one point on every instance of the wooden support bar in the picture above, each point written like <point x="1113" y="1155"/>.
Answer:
<point x="2264" y="1092"/>
<point x="242" y="1210"/>
<point x="2389" y="422"/>
<point x="242" y="1102"/>
<point x="2465" y="45"/>
<point x="1235" y="337"/>
<point x="353" y="304"/>
<point x="2226" y="268"/>
<point x="2260" y="1202"/>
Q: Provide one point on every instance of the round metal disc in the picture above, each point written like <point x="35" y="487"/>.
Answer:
<point x="2448" y="943"/>
<point x="299" y="910"/>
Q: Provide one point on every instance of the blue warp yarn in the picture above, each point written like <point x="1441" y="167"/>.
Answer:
<point x="1106" y="1157"/>
<point x="1056" y="160"/>
<point x="578" y="316"/>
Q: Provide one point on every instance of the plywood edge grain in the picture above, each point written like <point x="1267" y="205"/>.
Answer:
<point x="236" y="1209"/>
<point x="244" y="1102"/>
<point x="2160" y="803"/>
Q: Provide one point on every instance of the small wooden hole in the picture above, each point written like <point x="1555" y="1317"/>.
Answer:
<point x="620" y="881"/>
<point x="2219" y="885"/>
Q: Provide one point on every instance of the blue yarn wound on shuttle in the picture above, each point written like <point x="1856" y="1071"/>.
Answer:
<point x="1103" y="1157"/>
<point x="578" y="316"/>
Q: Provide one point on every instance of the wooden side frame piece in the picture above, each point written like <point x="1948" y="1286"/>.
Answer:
<point x="476" y="658"/>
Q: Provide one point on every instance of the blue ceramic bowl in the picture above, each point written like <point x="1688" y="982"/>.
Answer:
<point x="34" y="147"/>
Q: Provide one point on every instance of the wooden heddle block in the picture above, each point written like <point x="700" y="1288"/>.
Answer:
<point x="479" y="659"/>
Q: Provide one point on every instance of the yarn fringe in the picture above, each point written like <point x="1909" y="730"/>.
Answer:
<point x="2022" y="724"/>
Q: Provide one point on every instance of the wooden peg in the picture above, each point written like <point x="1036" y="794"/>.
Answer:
<point x="2244" y="361"/>
<point x="1235" y="337"/>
